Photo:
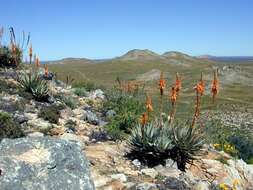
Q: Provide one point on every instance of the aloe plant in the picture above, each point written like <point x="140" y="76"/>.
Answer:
<point x="188" y="142"/>
<point x="151" y="143"/>
<point x="31" y="82"/>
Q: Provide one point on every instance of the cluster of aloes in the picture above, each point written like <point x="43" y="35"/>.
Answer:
<point x="180" y="142"/>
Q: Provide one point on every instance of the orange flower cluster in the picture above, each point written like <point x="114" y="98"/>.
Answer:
<point x="178" y="84"/>
<point x="175" y="89"/>
<point x="37" y="62"/>
<point x="173" y="96"/>
<point x="149" y="104"/>
<point x="161" y="84"/>
<point x="200" y="87"/>
<point x="13" y="48"/>
<point x="46" y="70"/>
<point x="30" y="52"/>
<point x="129" y="86"/>
<point x="215" y="85"/>
<point x="144" y="119"/>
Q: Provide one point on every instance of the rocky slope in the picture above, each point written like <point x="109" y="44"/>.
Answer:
<point x="57" y="150"/>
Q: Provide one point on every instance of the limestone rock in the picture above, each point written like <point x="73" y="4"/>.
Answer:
<point x="43" y="163"/>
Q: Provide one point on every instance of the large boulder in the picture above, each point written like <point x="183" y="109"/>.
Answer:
<point x="43" y="163"/>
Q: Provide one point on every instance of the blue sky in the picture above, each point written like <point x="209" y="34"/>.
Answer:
<point x="108" y="28"/>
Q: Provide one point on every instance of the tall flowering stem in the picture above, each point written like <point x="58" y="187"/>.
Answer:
<point x="174" y="96"/>
<point x="1" y="35"/>
<point x="37" y="62"/>
<point x="215" y="85"/>
<point x="143" y="121"/>
<point x="161" y="84"/>
<point x="178" y="84"/>
<point x="161" y="88"/>
<point x="199" y="88"/>
<point x="46" y="71"/>
<point x="173" y="99"/>
<point x="30" y="54"/>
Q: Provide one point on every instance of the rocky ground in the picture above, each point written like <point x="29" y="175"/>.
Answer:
<point x="80" y="130"/>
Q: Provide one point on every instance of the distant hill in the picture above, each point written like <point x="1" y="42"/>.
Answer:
<point x="227" y="58"/>
<point x="138" y="55"/>
<point x="141" y="55"/>
<point x="71" y="60"/>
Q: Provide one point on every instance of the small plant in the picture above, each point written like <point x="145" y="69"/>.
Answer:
<point x="87" y="85"/>
<point x="243" y="145"/>
<point x="8" y="128"/>
<point x="188" y="142"/>
<point x="71" y="125"/>
<point x="151" y="144"/>
<point x="51" y="113"/>
<point x="80" y="91"/>
<point x="127" y="108"/>
<point x="32" y="83"/>
<point x="68" y="101"/>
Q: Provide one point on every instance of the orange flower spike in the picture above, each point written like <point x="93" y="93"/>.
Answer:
<point x="13" y="48"/>
<point x="161" y="84"/>
<point x="37" y="62"/>
<point x="215" y="85"/>
<point x="178" y="84"/>
<point x="149" y="104"/>
<point x="144" y="119"/>
<point x="173" y="96"/>
<point x="30" y="51"/>
<point x="200" y="87"/>
<point x="46" y="70"/>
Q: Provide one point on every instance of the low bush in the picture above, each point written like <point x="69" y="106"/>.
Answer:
<point x="237" y="142"/>
<point x="87" y="85"/>
<point x="80" y="91"/>
<point x="8" y="128"/>
<point x="8" y="59"/>
<point x="51" y="113"/>
<point x="128" y="107"/>
<point x="68" y="101"/>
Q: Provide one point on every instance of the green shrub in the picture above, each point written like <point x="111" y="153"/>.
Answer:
<point x="128" y="108"/>
<point x="244" y="145"/>
<point x="241" y="140"/>
<point x="51" y="113"/>
<point x="68" y="101"/>
<point x="80" y="91"/>
<point x="7" y="59"/>
<point x="32" y="83"/>
<point x="87" y="85"/>
<point x="8" y="128"/>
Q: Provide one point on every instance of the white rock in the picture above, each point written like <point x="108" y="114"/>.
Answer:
<point x="35" y="134"/>
<point x="73" y="138"/>
<point x="150" y="172"/>
<point x="146" y="186"/>
<point x="201" y="186"/>
<point x="39" y="123"/>
<point x="120" y="177"/>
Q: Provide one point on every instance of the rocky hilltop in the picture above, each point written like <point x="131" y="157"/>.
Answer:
<point x="61" y="144"/>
